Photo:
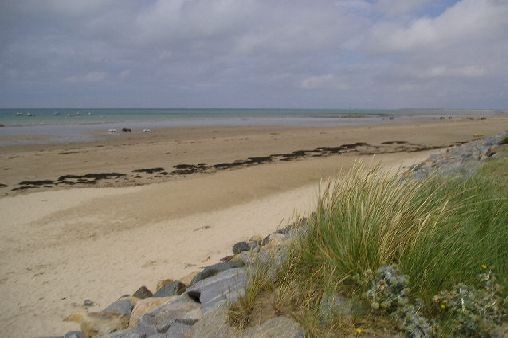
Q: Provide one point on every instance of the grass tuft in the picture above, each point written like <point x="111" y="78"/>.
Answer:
<point x="438" y="232"/>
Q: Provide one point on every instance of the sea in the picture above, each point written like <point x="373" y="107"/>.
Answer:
<point x="20" y="126"/>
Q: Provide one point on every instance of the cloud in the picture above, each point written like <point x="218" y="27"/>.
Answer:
<point x="265" y="53"/>
<point x="92" y="77"/>
<point x="327" y="81"/>
<point x="461" y="24"/>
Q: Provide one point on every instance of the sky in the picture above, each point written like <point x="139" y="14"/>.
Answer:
<point x="254" y="53"/>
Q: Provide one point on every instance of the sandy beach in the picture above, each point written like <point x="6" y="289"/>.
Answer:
<point x="64" y="243"/>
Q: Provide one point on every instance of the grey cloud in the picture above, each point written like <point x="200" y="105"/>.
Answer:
<point x="254" y="53"/>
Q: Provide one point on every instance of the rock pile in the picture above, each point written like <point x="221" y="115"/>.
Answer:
<point x="463" y="158"/>
<point x="198" y="309"/>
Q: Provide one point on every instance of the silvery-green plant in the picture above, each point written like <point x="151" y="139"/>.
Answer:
<point x="389" y="294"/>
<point x="473" y="312"/>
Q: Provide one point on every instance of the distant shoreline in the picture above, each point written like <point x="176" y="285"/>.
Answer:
<point x="54" y="126"/>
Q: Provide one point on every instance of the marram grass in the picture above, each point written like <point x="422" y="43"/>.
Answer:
<point x="439" y="231"/>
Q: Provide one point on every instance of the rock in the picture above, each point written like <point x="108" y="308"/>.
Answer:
<point x="226" y="286"/>
<point x="332" y="305"/>
<point x="187" y="279"/>
<point x="74" y="334"/>
<point x="173" y="316"/>
<point x="162" y="283"/>
<point x="172" y="288"/>
<point x="123" y="306"/>
<point x="214" y="325"/>
<point x="240" y="246"/>
<point x="99" y="323"/>
<point x="127" y="334"/>
<point x="212" y="270"/>
<point x="142" y="293"/>
<point x="256" y="238"/>
<point x="283" y="327"/>
<point x="88" y="302"/>
<point x="246" y="257"/>
<point x="145" y="306"/>
<point x="179" y="329"/>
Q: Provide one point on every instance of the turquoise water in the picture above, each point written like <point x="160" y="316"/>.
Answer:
<point x="68" y="116"/>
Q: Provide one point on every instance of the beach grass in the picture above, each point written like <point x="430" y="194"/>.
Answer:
<point x="438" y="232"/>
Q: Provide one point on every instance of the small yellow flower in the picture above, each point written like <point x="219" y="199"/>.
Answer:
<point x="359" y="330"/>
<point x="442" y="306"/>
<point x="484" y="266"/>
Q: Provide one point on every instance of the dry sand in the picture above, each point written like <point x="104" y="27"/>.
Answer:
<point x="59" y="247"/>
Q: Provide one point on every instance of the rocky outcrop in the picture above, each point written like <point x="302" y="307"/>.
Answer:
<point x="460" y="158"/>
<point x="226" y="286"/>
<point x="169" y="288"/>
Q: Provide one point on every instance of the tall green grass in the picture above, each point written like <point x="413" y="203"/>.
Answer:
<point x="438" y="231"/>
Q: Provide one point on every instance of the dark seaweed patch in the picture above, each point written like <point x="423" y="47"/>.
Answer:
<point x="394" y="142"/>
<point x="149" y="170"/>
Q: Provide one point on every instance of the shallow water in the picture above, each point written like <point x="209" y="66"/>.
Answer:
<point x="62" y="125"/>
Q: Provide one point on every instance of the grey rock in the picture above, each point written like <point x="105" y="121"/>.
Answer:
<point x="123" y="306"/>
<point x="172" y="289"/>
<point x="332" y="305"/>
<point x="247" y="258"/>
<point x="239" y="247"/>
<point x="74" y="334"/>
<point x="142" y="293"/>
<point x="464" y="159"/>
<point x="176" y="313"/>
<point x="127" y="334"/>
<point x="227" y="286"/>
<point x="214" y="325"/>
<point x="277" y="327"/>
<point x="177" y="329"/>
<point x="212" y="270"/>
<point x="276" y="236"/>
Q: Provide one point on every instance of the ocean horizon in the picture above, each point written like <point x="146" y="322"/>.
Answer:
<point x="66" y="125"/>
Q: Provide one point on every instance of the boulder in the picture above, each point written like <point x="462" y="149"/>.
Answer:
<point x="145" y="306"/>
<point x="332" y="305"/>
<point x="239" y="247"/>
<point x="212" y="270"/>
<point x="74" y="334"/>
<point x="226" y="286"/>
<point x="127" y="334"/>
<point x="283" y="327"/>
<point x="123" y="306"/>
<point x="170" y="288"/>
<point x="214" y="325"/>
<point x="177" y="315"/>
<point x="275" y="239"/>
<point x="142" y="293"/>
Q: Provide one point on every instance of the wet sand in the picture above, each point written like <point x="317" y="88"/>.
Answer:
<point x="138" y="158"/>
<point x="61" y="245"/>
